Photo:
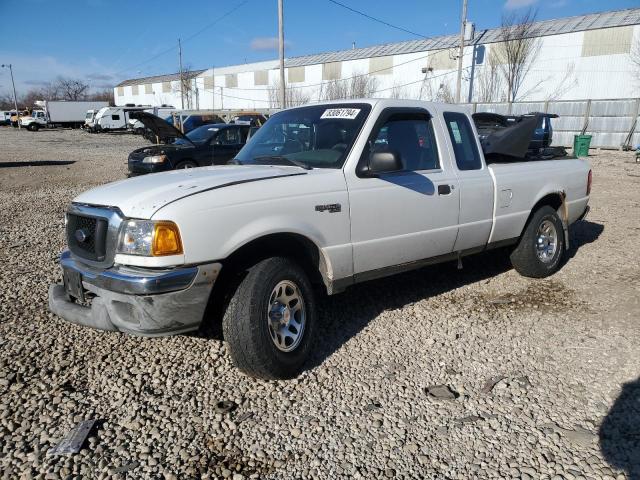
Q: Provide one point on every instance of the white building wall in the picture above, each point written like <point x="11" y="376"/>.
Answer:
<point x="559" y="72"/>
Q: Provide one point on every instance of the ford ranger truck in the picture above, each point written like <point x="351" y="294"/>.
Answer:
<point x="321" y="197"/>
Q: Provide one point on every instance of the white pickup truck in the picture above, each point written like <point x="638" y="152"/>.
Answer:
<point x="320" y="198"/>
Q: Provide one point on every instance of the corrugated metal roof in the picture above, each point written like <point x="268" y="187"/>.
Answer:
<point x="543" y="28"/>
<point x="159" y="78"/>
<point x="579" y="23"/>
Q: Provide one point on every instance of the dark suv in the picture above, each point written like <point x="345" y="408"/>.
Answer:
<point x="214" y="144"/>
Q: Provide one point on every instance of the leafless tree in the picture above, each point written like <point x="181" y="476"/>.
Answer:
<point x="398" y="91"/>
<point x="566" y="83"/>
<point x="358" y="86"/>
<point x="70" y="88"/>
<point x="445" y="94"/>
<point x="490" y="81"/>
<point x="294" y="96"/>
<point x="517" y="50"/>
<point x="105" y="95"/>
<point x="186" y="86"/>
<point x="6" y="101"/>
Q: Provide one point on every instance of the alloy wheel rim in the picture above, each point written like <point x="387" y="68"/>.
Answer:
<point x="286" y="316"/>
<point x="546" y="241"/>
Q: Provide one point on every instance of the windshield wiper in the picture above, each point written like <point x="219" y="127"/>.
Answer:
<point x="291" y="161"/>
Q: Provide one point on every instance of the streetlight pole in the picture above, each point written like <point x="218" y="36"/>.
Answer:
<point x="181" y="79"/>
<point x="15" y="99"/>
<point x="463" y="20"/>
<point x="281" y="49"/>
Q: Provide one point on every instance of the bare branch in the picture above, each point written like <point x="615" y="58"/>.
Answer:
<point x="69" y="89"/>
<point x="294" y="96"/>
<point x="517" y="50"/>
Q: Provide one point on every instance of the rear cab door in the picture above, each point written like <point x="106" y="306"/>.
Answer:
<point x="409" y="215"/>
<point x="476" y="182"/>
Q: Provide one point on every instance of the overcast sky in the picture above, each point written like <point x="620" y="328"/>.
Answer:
<point x="105" y="41"/>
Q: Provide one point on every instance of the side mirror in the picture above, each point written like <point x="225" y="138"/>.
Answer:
<point x="384" y="161"/>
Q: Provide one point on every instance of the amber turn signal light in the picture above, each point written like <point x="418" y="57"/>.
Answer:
<point x="166" y="239"/>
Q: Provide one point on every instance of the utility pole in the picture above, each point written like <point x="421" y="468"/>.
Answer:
<point x="463" y="21"/>
<point x="281" y="49"/>
<point x="15" y="99"/>
<point x="213" y="88"/>
<point x="181" y="79"/>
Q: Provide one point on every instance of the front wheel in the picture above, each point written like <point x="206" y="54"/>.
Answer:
<point x="269" y="321"/>
<point x="541" y="246"/>
<point x="186" y="164"/>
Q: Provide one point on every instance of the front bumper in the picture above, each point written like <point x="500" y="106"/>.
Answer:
<point x="134" y="300"/>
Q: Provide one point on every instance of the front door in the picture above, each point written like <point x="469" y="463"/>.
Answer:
<point x="226" y="144"/>
<point x="409" y="215"/>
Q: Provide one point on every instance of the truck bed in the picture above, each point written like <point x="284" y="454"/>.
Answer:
<point x="516" y="183"/>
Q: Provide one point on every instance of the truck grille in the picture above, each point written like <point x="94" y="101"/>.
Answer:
<point x="86" y="236"/>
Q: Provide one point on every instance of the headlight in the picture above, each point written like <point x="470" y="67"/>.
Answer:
<point x="150" y="238"/>
<point x="155" y="159"/>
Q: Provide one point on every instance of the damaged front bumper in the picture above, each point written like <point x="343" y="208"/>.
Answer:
<point x="140" y="301"/>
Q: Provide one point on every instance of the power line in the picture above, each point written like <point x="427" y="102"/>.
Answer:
<point x="191" y="37"/>
<point x="376" y="19"/>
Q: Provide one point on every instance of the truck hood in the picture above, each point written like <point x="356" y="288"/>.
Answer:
<point x="158" y="126"/>
<point x="141" y="197"/>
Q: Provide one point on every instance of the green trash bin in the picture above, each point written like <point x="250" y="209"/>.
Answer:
<point x="581" y="145"/>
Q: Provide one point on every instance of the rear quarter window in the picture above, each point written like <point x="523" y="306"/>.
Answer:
<point x="465" y="147"/>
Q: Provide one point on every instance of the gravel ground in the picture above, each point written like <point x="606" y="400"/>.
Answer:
<point x="539" y="377"/>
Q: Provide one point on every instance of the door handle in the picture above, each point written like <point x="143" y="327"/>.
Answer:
<point x="444" y="189"/>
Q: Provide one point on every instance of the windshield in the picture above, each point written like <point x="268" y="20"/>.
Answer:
<point x="313" y="137"/>
<point x="198" y="135"/>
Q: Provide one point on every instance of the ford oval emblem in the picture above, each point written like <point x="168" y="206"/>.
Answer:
<point x="81" y="235"/>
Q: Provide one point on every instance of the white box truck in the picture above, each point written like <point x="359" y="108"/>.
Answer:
<point x="60" y="114"/>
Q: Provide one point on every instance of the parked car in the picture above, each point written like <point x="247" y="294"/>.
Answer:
<point x="187" y="120"/>
<point x="255" y="119"/>
<point x="165" y="111"/>
<point x="213" y="144"/>
<point x="314" y="203"/>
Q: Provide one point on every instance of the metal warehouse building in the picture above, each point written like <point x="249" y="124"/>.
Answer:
<point x="579" y="58"/>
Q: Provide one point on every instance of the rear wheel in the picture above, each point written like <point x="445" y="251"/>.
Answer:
<point x="269" y="322"/>
<point x="541" y="246"/>
<point x="186" y="164"/>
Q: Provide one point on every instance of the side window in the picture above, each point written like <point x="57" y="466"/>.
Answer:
<point x="115" y="117"/>
<point x="464" y="143"/>
<point x="229" y="136"/>
<point x="411" y="136"/>
<point x="244" y="131"/>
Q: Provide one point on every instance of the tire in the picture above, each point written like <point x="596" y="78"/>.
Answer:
<point x="247" y="325"/>
<point x="545" y="229"/>
<point x="186" y="164"/>
<point x="34" y="127"/>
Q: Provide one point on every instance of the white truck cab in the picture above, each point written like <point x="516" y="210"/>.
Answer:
<point x="321" y="197"/>
<point x="37" y="119"/>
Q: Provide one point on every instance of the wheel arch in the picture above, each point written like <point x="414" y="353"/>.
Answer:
<point x="292" y="245"/>
<point x="555" y="199"/>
